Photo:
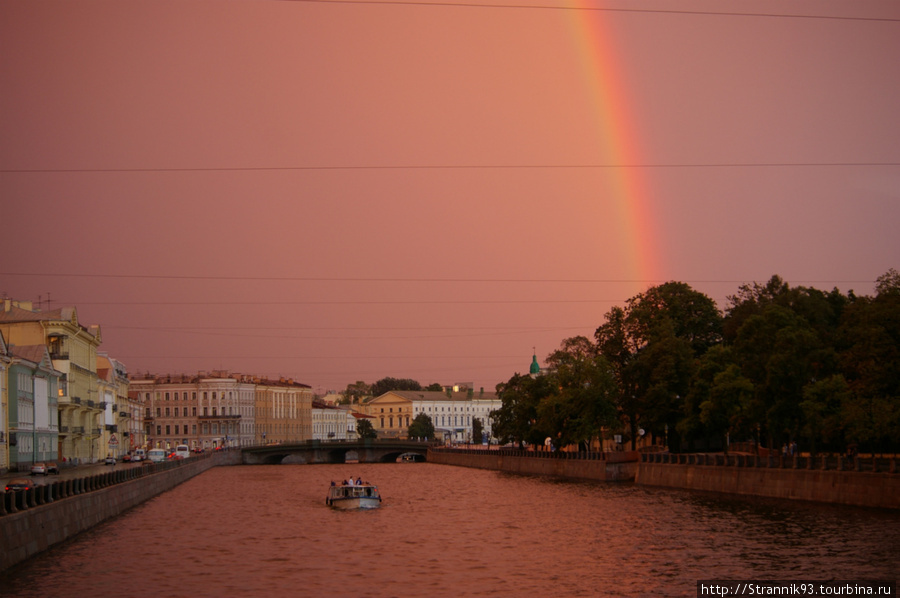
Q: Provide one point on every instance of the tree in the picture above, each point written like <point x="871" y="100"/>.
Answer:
<point x="477" y="431"/>
<point x="388" y="384"/>
<point x="727" y="410"/>
<point x="355" y="393"/>
<point x="651" y="346"/>
<point x="585" y="401"/>
<point x="822" y="405"/>
<point x="516" y="420"/>
<point x="421" y="427"/>
<point x="435" y="387"/>
<point x="365" y="429"/>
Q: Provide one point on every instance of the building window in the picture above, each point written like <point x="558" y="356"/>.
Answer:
<point x="194" y="429"/>
<point x="176" y="429"/>
<point x="159" y="430"/>
<point x="167" y="414"/>
<point x="168" y="430"/>
<point x="194" y="411"/>
<point x="214" y="414"/>
<point x="167" y="396"/>
<point x="194" y="396"/>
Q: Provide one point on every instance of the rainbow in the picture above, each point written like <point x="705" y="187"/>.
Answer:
<point x="618" y="140"/>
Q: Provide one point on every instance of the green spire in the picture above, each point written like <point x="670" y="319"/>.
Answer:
<point x="535" y="366"/>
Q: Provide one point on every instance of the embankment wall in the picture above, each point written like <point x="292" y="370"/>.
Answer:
<point x="863" y="489"/>
<point x="81" y="504"/>
<point x="596" y="466"/>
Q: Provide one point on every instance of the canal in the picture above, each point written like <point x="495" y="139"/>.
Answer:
<point x="446" y="531"/>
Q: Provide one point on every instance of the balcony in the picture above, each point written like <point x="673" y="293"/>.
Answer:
<point x="112" y="428"/>
<point x="78" y="429"/>
<point x="90" y="403"/>
<point x="124" y="414"/>
<point x="76" y="400"/>
<point x="217" y="417"/>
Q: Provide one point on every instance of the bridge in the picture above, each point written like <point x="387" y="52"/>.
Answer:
<point x="368" y="450"/>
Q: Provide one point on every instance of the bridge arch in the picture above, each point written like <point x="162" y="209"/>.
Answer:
<point x="366" y="451"/>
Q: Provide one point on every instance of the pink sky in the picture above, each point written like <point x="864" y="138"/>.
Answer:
<point x="348" y="191"/>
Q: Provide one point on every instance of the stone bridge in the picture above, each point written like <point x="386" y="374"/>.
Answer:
<point x="335" y="451"/>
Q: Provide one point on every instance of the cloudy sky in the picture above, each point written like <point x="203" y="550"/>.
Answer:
<point x="340" y="191"/>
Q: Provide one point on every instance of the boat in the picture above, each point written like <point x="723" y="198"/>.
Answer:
<point x="358" y="496"/>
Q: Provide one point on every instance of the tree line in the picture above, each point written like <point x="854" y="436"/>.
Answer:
<point x="781" y="364"/>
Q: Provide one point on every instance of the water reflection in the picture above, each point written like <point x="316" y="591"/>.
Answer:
<point x="444" y="531"/>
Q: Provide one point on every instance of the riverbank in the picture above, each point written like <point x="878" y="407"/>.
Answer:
<point x="827" y="480"/>
<point x="37" y="519"/>
<point x="853" y="482"/>
<point x="585" y="466"/>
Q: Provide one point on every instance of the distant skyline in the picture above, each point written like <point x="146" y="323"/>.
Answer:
<point x="335" y="191"/>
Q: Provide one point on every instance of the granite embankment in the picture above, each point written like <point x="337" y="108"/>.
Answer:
<point x="857" y="482"/>
<point x="585" y="465"/>
<point x="35" y="520"/>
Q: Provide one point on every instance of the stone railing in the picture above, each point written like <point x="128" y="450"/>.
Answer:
<point x="21" y="500"/>
<point x="615" y="457"/>
<point x="820" y="462"/>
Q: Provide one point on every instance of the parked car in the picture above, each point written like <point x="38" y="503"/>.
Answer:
<point x="126" y="458"/>
<point x="139" y="455"/>
<point x="52" y="467"/>
<point x="17" y="484"/>
<point x="39" y="469"/>
<point x="156" y="455"/>
<point x="182" y="451"/>
<point x="110" y="460"/>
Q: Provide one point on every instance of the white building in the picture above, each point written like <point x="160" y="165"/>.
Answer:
<point x="331" y="422"/>
<point x="452" y="413"/>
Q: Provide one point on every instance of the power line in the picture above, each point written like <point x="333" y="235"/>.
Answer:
<point x="397" y="279"/>
<point x="593" y="9"/>
<point x="346" y="167"/>
<point x="350" y="302"/>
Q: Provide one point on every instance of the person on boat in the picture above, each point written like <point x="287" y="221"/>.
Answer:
<point x="332" y="482"/>
<point x="359" y="482"/>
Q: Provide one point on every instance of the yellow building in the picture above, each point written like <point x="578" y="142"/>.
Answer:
<point x="391" y="414"/>
<point x="73" y="351"/>
<point x="283" y="411"/>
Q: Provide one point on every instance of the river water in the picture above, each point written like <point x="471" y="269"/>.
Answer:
<point x="448" y="531"/>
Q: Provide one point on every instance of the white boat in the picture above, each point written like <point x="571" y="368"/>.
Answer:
<point x="359" y="496"/>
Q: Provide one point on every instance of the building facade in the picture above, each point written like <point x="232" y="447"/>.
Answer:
<point x="331" y="422"/>
<point x="452" y="412"/>
<point x="122" y="416"/>
<point x="283" y="411"/>
<point x="33" y="407"/>
<point x="220" y="409"/>
<point x="4" y="406"/>
<point x="73" y="351"/>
